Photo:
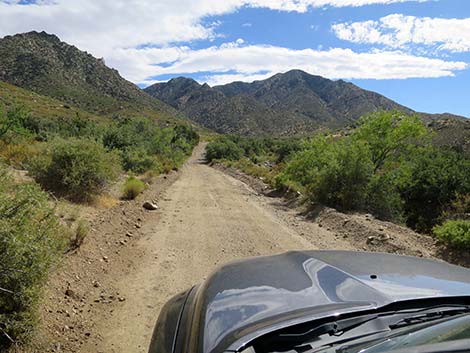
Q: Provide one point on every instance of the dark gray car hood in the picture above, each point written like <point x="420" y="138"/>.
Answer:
<point x="245" y="299"/>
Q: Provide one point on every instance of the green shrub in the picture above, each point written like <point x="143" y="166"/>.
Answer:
<point x="383" y="197"/>
<point x="138" y="160"/>
<point x="433" y="181"/>
<point x="31" y="240"/>
<point x="78" y="169"/>
<point x="132" y="187"/>
<point x="139" y="141"/>
<point x="144" y="145"/>
<point x="335" y="173"/>
<point x="223" y="148"/>
<point x="342" y="181"/>
<point x="455" y="233"/>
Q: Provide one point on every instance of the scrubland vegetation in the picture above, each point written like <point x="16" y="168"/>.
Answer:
<point x="387" y="166"/>
<point x="76" y="159"/>
<point x="31" y="240"/>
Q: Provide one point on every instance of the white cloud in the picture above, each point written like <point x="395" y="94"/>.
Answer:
<point x="140" y="38"/>
<point x="232" y="61"/>
<point x="100" y="26"/>
<point x="398" y="30"/>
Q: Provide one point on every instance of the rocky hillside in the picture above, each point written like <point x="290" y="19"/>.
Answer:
<point x="40" y="62"/>
<point x="240" y="114"/>
<point x="289" y="103"/>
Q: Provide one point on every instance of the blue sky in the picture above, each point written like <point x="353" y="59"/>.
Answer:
<point x="416" y="52"/>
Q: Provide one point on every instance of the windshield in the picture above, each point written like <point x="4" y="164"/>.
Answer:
<point x="449" y="330"/>
<point x="380" y="332"/>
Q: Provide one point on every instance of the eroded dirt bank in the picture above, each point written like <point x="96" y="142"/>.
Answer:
<point x="109" y="294"/>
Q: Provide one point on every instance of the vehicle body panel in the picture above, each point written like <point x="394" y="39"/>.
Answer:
<point x="247" y="298"/>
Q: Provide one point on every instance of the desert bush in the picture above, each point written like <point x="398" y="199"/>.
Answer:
<point x="30" y="242"/>
<point x="223" y="148"/>
<point x="455" y="233"/>
<point x="145" y="146"/>
<point x="80" y="232"/>
<point x="459" y="208"/>
<point x="342" y="182"/>
<point x="139" y="141"/>
<point x="383" y="197"/>
<point x="185" y="136"/>
<point x="132" y="188"/>
<point x="284" y="148"/>
<point x="46" y="129"/>
<point x="138" y="160"/>
<point x="390" y="135"/>
<point x="77" y="169"/>
<point x="12" y="123"/>
<point x="18" y="153"/>
<point x="434" y="179"/>
<point x="335" y="173"/>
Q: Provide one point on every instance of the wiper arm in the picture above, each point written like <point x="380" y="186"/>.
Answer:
<point x="336" y="328"/>
<point x="429" y="316"/>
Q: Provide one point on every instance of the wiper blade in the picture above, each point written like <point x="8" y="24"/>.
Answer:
<point x="430" y="316"/>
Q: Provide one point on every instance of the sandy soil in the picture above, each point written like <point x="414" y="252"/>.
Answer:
<point x="107" y="296"/>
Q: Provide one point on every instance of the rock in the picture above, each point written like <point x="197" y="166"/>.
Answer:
<point x="121" y="299"/>
<point x="371" y="240"/>
<point x="129" y="234"/>
<point x="150" y="206"/>
<point x="70" y="293"/>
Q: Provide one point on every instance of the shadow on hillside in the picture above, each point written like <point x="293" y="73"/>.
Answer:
<point x="454" y="256"/>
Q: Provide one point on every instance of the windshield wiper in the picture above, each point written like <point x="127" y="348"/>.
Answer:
<point x="336" y="328"/>
<point x="430" y="316"/>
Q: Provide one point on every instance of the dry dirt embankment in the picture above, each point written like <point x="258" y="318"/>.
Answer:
<point x="108" y="295"/>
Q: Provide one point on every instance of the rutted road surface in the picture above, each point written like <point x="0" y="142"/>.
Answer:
<point x="207" y="218"/>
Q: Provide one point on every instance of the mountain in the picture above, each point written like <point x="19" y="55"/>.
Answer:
<point x="241" y="114"/>
<point x="40" y="62"/>
<point x="284" y="104"/>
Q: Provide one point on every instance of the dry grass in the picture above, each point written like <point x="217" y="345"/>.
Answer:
<point x="104" y="201"/>
<point x="19" y="153"/>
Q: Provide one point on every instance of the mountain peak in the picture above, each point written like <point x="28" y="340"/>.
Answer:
<point x="41" y="62"/>
<point x="182" y="79"/>
<point x="34" y="35"/>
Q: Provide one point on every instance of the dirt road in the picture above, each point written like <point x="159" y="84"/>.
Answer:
<point x="207" y="218"/>
<point x="115" y="285"/>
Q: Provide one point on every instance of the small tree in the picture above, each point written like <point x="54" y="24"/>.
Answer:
<point x="389" y="134"/>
